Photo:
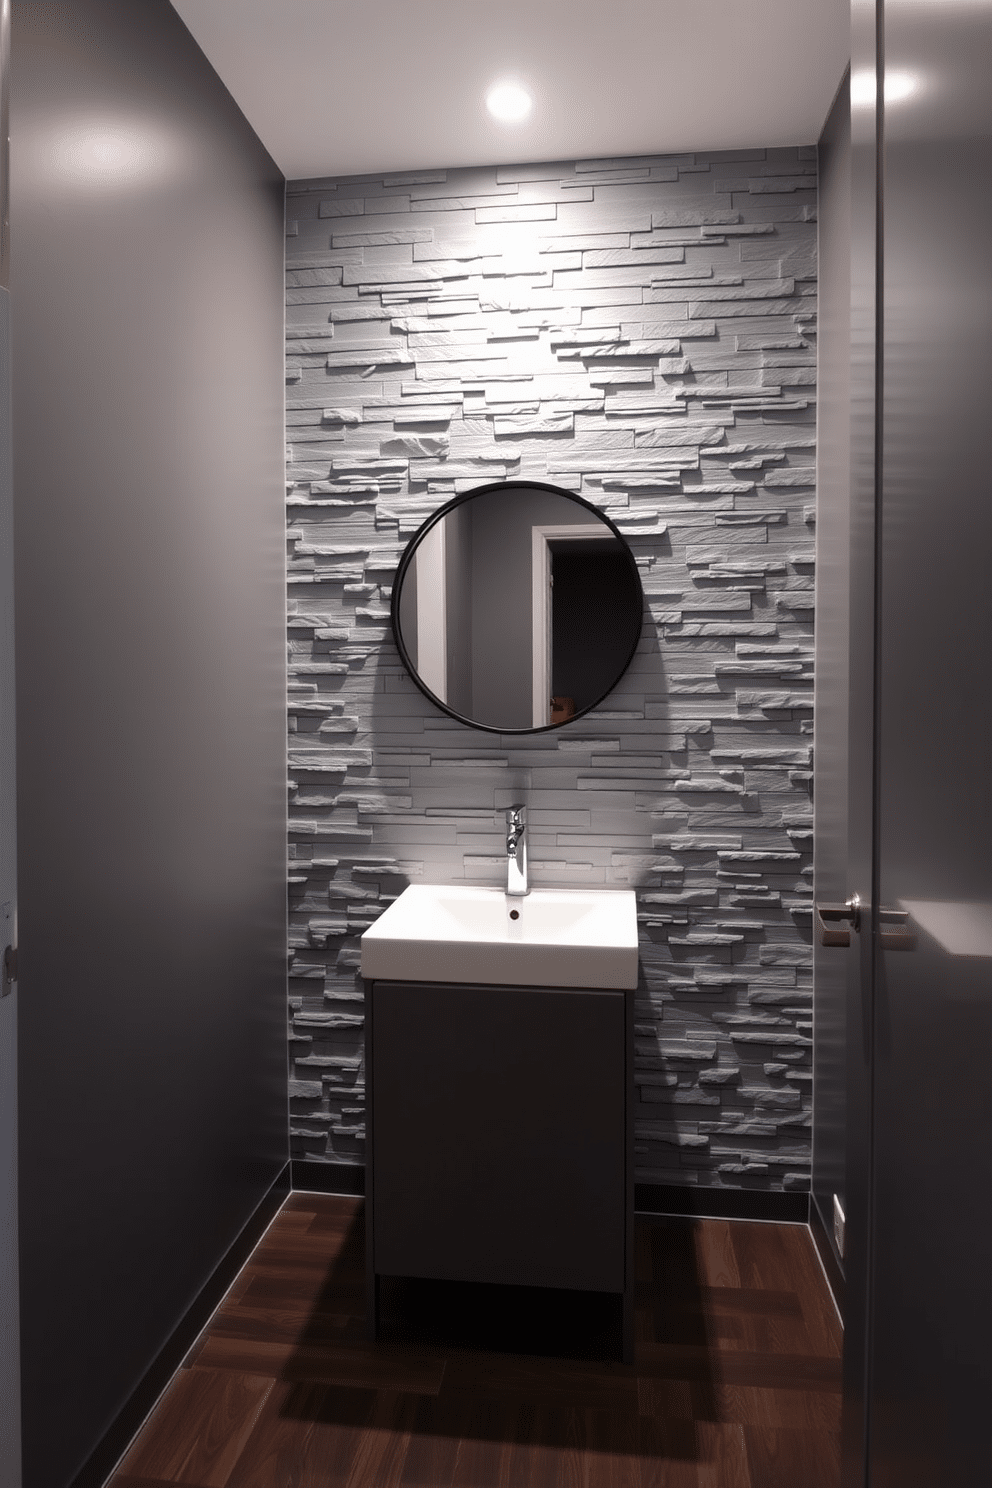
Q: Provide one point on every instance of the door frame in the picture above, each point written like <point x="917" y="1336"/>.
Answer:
<point x="541" y="610"/>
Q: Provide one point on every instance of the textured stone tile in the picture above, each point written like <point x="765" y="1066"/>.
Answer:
<point x="353" y="207"/>
<point x="693" y="217"/>
<point x="566" y="348"/>
<point x="605" y="258"/>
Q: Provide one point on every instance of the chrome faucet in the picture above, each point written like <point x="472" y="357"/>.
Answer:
<point x="516" y="851"/>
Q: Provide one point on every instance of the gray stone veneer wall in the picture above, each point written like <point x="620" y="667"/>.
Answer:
<point x="639" y="331"/>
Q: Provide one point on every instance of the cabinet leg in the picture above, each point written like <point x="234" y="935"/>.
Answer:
<point x="627" y="1327"/>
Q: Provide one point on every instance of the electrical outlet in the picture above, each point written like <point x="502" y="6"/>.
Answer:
<point x="838" y="1227"/>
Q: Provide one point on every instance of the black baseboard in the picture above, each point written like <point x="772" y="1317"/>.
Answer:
<point x="125" y="1426"/>
<point x="649" y="1198"/>
<point x="327" y="1177"/>
<point x="824" y="1249"/>
<point x="720" y="1203"/>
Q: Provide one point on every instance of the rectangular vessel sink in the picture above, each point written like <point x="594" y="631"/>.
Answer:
<point x="560" y="938"/>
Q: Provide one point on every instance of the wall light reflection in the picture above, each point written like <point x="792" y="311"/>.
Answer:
<point x="898" y="85"/>
<point x="112" y="154"/>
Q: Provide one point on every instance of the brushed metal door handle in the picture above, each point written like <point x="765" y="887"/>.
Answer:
<point x="828" y="935"/>
<point x="831" y="933"/>
<point x="894" y="933"/>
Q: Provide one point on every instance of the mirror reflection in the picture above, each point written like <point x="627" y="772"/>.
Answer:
<point x="517" y="607"/>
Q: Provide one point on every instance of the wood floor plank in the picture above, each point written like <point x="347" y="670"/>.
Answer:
<point x="289" y="1220"/>
<point x="529" y="1379"/>
<point x="288" y="1284"/>
<point x="330" y="1217"/>
<point x="367" y="1367"/>
<point x="666" y="1399"/>
<point x="383" y="1447"/>
<point x="328" y="1270"/>
<point x="714" y="1245"/>
<point x="198" y="1431"/>
<point x="772" y="1257"/>
<point x="674" y="1263"/>
<point x="771" y="1334"/>
<point x="736" y="1382"/>
<point x="289" y="1325"/>
<point x="737" y="1367"/>
<point x="768" y="1256"/>
<point x="435" y="1438"/>
<point x="731" y="1300"/>
<point x="675" y="1303"/>
<point x="745" y="1405"/>
<point x="548" y="1447"/>
<point x="723" y="1457"/>
<point x="315" y="1437"/>
<point x="794" y="1410"/>
<point x="665" y="1454"/>
<point x="324" y="1265"/>
<point x="613" y="1456"/>
<point x="638" y="1452"/>
<point x="333" y="1205"/>
<point x="326" y="1247"/>
<point x="785" y="1458"/>
<point x="819" y="1310"/>
<point x="307" y="1251"/>
<point x="460" y="1443"/>
<point x="483" y="1460"/>
<point x="316" y="1220"/>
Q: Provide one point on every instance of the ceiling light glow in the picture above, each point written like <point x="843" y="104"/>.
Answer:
<point x="509" y="102"/>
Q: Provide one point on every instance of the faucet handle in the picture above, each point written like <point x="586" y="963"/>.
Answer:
<point x="516" y="851"/>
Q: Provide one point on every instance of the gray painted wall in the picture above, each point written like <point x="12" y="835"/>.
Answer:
<point x="640" y="331"/>
<point x="147" y="256"/>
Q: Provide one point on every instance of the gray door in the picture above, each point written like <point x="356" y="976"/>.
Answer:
<point x="9" y="1354"/>
<point x="918" y="1173"/>
<point x="10" y="1401"/>
<point x="931" y="1292"/>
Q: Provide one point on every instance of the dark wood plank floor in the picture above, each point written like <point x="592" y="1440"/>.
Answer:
<point x="736" y="1382"/>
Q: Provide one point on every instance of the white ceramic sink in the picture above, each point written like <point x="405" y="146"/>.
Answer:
<point x="560" y="938"/>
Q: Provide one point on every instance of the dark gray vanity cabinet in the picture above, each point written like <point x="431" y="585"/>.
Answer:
<point x="499" y="1136"/>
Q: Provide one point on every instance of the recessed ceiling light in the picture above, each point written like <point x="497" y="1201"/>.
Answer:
<point x="509" y="102"/>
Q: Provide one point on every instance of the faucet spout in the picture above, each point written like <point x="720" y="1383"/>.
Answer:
<point x="516" y="851"/>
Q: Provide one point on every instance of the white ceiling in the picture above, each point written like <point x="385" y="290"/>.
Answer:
<point x="339" y="87"/>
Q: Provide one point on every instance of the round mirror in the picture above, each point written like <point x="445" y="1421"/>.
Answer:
<point x="517" y="607"/>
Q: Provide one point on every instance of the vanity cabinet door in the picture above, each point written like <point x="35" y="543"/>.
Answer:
<point x="498" y="1127"/>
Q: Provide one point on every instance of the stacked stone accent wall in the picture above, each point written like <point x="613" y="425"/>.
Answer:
<point x="639" y="331"/>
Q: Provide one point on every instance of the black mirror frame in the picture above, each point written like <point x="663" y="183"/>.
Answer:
<point x="407" y="559"/>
